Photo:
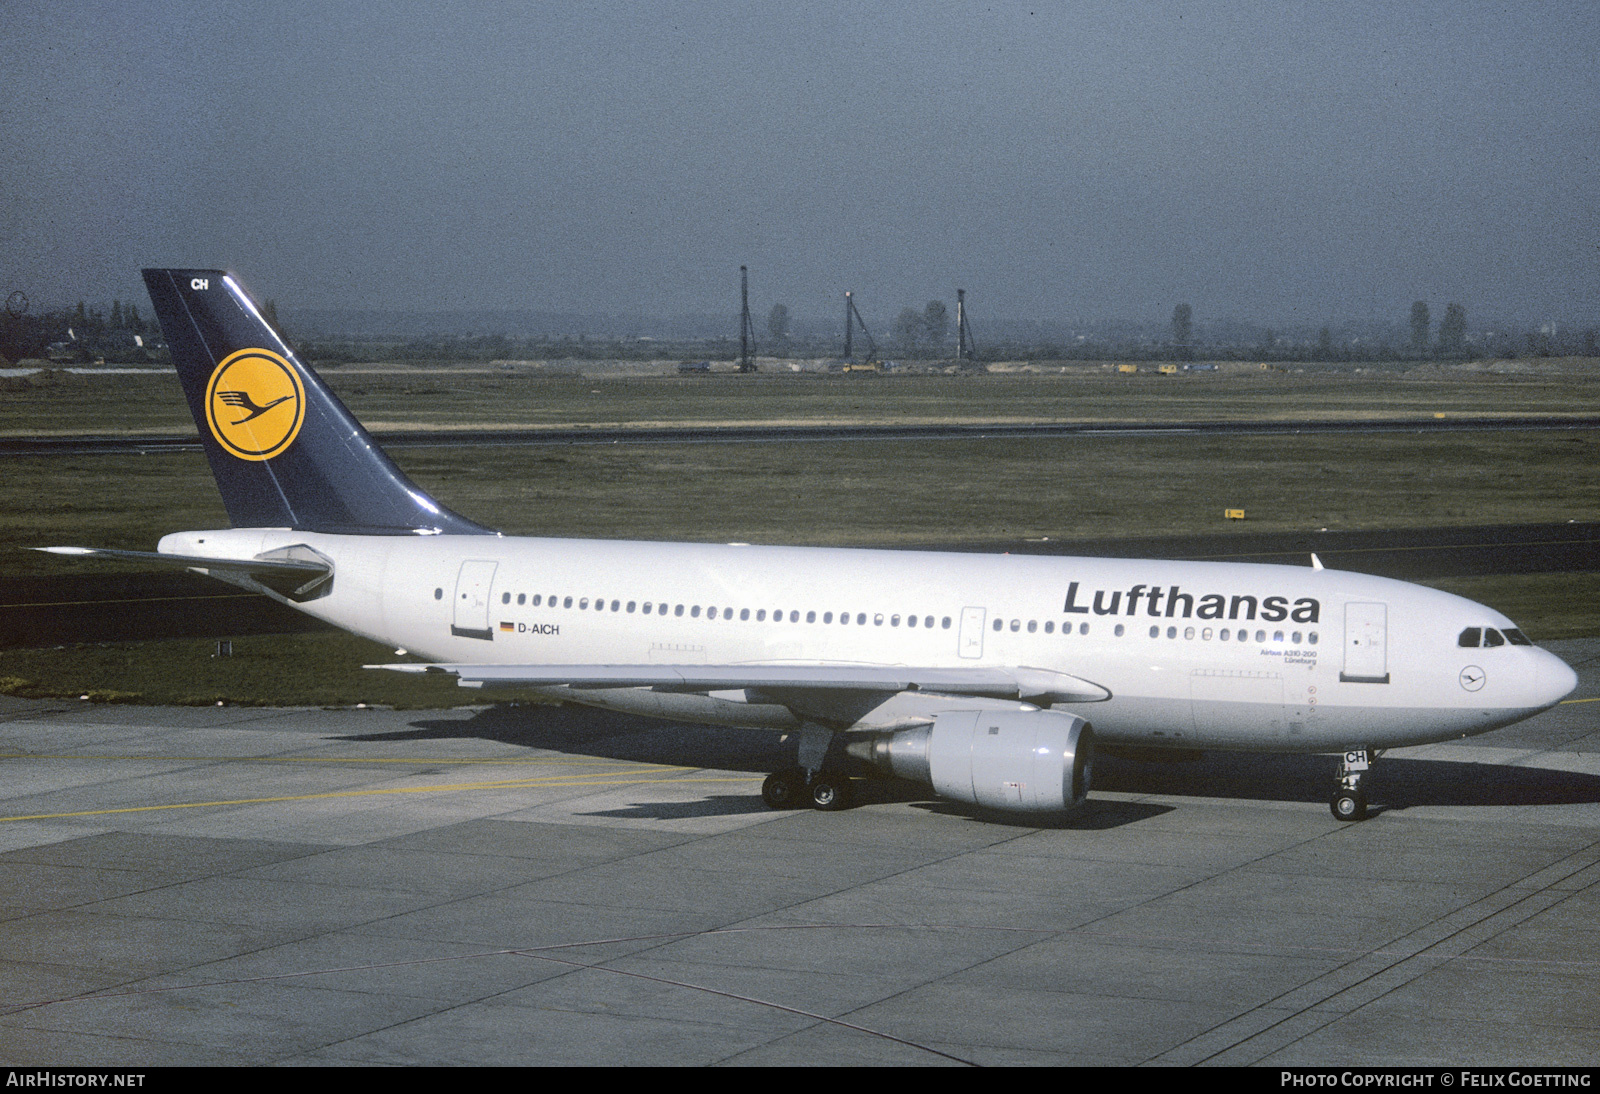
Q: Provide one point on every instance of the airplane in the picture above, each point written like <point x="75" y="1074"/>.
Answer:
<point x="991" y="679"/>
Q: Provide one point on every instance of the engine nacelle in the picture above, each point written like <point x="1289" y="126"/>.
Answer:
<point x="1037" y="761"/>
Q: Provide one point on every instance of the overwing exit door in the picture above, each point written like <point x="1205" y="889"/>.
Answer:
<point x="970" y="644"/>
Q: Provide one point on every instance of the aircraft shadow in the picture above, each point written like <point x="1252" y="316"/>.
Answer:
<point x="1392" y="783"/>
<point x="1396" y="784"/>
<point x="593" y="732"/>
<point x="717" y="805"/>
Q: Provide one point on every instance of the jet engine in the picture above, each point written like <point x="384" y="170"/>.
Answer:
<point x="1020" y="761"/>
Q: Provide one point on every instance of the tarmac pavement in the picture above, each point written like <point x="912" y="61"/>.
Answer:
<point x="538" y="885"/>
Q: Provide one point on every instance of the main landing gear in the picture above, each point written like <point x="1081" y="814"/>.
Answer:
<point x="1349" y="801"/>
<point x="795" y="788"/>
<point x="817" y="780"/>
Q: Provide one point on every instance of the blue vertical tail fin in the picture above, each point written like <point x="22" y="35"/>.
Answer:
<point x="285" y="451"/>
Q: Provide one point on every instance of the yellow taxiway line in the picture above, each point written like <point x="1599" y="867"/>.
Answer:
<point x="499" y="784"/>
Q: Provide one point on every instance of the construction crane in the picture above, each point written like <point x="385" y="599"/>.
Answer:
<point x="852" y="317"/>
<point x="747" y="330"/>
<point x="965" y="349"/>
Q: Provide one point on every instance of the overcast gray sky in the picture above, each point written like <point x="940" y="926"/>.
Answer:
<point x="1273" y="161"/>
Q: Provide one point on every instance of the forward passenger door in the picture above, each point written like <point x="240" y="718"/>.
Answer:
<point x="1366" y="644"/>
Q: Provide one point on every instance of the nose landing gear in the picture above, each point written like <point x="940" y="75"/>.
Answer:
<point x="1349" y="801"/>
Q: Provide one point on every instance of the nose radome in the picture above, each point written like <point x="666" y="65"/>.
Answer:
<point x="1555" y="680"/>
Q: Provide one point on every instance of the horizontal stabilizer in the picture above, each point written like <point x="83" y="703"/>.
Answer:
<point x="296" y="578"/>
<point x="197" y="562"/>
<point x="1028" y="685"/>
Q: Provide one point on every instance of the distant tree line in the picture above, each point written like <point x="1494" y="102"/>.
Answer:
<point x="84" y="334"/>
<point x="78" y="335"/>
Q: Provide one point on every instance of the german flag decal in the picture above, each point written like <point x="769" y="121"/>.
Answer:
<point x="507" y="626"/>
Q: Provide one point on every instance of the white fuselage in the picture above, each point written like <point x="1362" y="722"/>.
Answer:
<point x="1194" y="654"/>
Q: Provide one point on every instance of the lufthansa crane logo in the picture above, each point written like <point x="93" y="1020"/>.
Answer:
<point x="255" y="404"/>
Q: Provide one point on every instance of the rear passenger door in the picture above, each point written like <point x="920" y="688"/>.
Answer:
<point x="470" y="618"/>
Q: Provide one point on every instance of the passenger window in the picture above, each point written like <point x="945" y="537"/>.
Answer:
<point x="861" y="619"/>
<point x="1016" y="624"/>
<point x="694" y="612"/>
<point x="711" y="613"/>
<point x="1119" y="630"/>
<point x="616" y="605"/>
<point x="505" y="598"/>
<point x="1223" y="636"/>
<point x="1172" y="632"/>
<point x="583" y="604"/>
<point x="1033" y="625"/>
<point x="632" y="604"/>
<point x="827" y="617"/>
<point x="1083" y="628"/>
<point x="794" y="617"/>
<point x="811" y="617"/>
<point x="567" y="603"/>
<point x="877" y="620"/>
<point x="647" y="607"/>
<point x="1492" y="637"/>
<point x="945" y="625"/>
<point x="999" y="624"/>
<point x="911" y="621"/>
<point x="1277" y="636"/>
<point x="1155" y="632"/>
<point x="1205" y="635"/>
<point x="678" y="610"/>
<point x="1049" y="627"/>
<point x="1261" y="636"/>
<point x="1312" y="638"/>
<point x="761" y="615"/>
<point x="522" y="598"/>
<point x="1295" y="638"/>
<point x="894" y="621"/>
<point x="744" y="613"/>
<point x="1188" y="633"/>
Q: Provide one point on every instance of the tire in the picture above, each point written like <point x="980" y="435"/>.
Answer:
<point x="1348" y="805"/>
<point x="782" y="790"/>
<point x="830" y="793"/>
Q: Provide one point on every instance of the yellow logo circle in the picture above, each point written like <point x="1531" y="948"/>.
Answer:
<point x="255" y="404"/>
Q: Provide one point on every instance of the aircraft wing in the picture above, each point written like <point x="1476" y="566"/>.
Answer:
<point x="1026" y="684"/>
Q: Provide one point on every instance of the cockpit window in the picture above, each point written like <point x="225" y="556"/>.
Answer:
<point x="1488" y="636"/>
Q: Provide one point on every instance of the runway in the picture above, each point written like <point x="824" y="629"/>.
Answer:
<point x="535" y="885"/>
<point x="101" y="445"/>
